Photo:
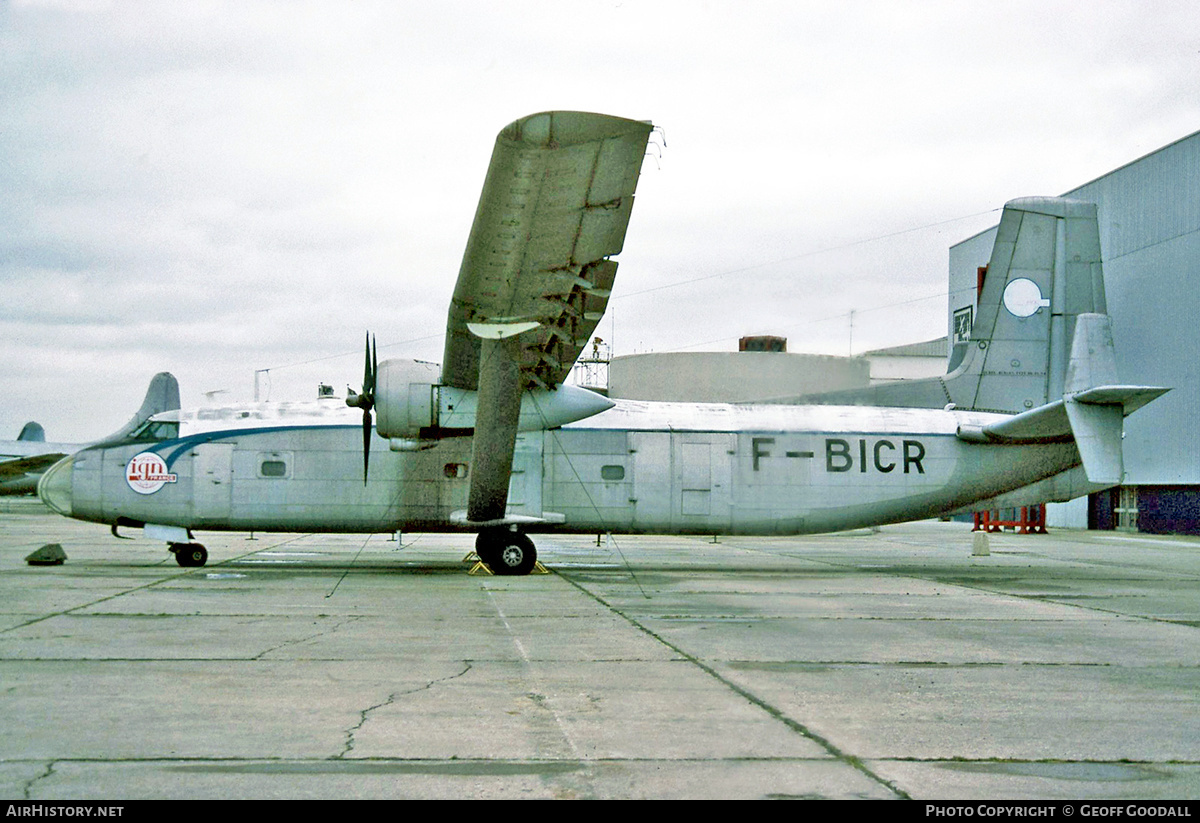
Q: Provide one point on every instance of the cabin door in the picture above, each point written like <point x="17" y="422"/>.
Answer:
<point x="704" y="481"/>
<point x="212" y="481"/>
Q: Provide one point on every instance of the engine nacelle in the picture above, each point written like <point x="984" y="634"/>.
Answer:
<point x="406" y="398"/>
<point x="410" y="404"/>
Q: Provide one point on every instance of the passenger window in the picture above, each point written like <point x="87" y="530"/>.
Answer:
<point x="273" y="468"/>
<point x="612" y="473"/>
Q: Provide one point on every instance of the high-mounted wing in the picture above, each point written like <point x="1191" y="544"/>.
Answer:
<point x="554" y="209"/>
<point x="536" y="275"/>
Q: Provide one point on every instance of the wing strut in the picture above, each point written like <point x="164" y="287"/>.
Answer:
<point x="495" y="432"/>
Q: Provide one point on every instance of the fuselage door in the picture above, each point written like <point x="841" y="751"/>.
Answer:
<point x="704" y="480"/>
<point x="525" y="483"/>
<point x="212" y="481"/>
<point x="652" y="488"/>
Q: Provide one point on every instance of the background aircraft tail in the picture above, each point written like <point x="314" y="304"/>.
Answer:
<point x="162" y="395"/>
<point x="32" y="432"/>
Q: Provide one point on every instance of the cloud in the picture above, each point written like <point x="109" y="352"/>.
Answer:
<point x="217" y="188"/>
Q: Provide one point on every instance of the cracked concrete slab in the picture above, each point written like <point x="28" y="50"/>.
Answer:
<point x="860" y="665"/>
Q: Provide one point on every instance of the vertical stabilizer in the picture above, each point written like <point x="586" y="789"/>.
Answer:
<point x="1098" y="430"/>
<point x="1044" y="272"/>
<point x="162" y="395"/>
<point x="32" y="432"/>
<point x="1097" y="423"/>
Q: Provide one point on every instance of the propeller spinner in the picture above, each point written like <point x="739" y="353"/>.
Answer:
<point x="365" y="400"/>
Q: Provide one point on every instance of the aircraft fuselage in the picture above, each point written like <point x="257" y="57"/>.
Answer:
<point x="638" y="468"/>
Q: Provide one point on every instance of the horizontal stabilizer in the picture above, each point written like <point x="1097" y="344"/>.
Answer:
<point x="1045" y="424"/>
<point x="1130" y="398"/>
<point x="1052" y="423"/>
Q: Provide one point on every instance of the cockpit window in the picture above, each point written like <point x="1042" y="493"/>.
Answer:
<point x="155" y="430"/>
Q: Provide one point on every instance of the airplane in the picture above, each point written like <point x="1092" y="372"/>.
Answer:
<point x="494" y="442"/>
<point x="22" y="461"/>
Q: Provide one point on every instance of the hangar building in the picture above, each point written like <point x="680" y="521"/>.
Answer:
<point x="1150" y="238"/>
<point x="756" y="374"/>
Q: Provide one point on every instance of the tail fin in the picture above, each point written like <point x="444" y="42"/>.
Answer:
<point x="32" y="433"/>
<point x="1045" y="271"/>
<point x="162" y="395"/>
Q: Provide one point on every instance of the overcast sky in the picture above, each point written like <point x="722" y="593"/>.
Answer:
<point x="213" y="188"/>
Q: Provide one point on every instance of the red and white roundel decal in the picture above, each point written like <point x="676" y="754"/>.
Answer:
<point x="147" y="473"/>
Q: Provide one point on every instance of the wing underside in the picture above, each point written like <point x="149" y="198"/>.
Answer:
<point x="536" y="274"/>
<point x="554" y="209"/>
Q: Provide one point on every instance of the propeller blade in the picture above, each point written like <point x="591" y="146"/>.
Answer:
<point x="368" y="373"/>
<point x="374" y="370"/>
<point x="366" y="399"/>
<point x="366" y="443"/>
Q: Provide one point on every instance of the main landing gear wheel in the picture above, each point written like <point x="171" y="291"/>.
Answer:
<point x="189" y="554"/>
<point x="505" y="551"/>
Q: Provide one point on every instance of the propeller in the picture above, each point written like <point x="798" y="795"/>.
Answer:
<point x="365" y="400"/>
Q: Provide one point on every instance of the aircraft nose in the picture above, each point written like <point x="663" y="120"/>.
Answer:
<point x="55" y="486"/>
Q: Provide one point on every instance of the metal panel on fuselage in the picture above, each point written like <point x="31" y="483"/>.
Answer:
<point x="808" y="470"/>
<point x="212" y="483"/>
<point x="280" y="479"/>
<point x="588" y="478"/>
<point x="641" y="481"/>
<point x="525" y="485"/>
<point x="320" y="486"/>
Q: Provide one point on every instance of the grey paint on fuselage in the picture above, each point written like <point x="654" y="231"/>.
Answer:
<point x="640" y="467"/>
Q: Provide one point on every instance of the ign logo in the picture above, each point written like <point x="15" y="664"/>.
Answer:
<point x="147" y="473"/>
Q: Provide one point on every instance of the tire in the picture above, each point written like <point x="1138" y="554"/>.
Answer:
<point x="190" y="555"/>
<point x="506" y="552"/>
<point x="487" y="545"/>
